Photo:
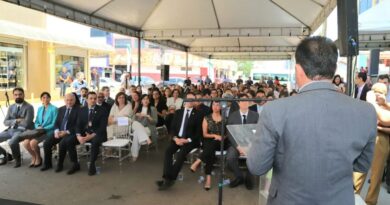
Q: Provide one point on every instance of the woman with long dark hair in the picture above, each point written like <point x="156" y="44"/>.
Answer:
<point x="160" y="105"/>
<point x="135" y="100"/>
<point x="339" y="83"/>
<point x="146" y="114"/>
<point x="211" y="127"/>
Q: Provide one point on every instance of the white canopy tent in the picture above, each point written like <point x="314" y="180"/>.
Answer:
<point x="219" y="29"/>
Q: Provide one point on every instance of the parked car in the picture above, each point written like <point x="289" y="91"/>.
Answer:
<point x="145" y="81"/>
<point x="109" y="82"/>
<point x="172" y="81"/>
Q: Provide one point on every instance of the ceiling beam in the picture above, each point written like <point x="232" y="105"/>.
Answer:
<point x="325" y="12"/>
<point x="237" y="49"/>
<point x="171" y="44"/>
<point x="251" y="57"/>
<point x="226" y="32"/>
<point x="289" y="13"/>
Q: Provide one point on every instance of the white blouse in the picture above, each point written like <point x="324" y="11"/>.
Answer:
<point x="178" y="103"/>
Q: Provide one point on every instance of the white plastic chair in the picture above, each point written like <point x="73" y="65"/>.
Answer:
<point x="122" y="142"/>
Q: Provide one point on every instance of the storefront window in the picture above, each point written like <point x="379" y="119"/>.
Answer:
<point x="11" y="66"/>
<point x="68" y="64"/>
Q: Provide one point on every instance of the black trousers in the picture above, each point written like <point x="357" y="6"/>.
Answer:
<point x="208" y="154"/>
<point x="51" y="141"/>
<point x="233" y="162"/>
<point x="171" y="170"/>
<point x="96" y="142"/>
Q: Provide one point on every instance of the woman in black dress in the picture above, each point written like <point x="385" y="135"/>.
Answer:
<point x="160" y="105"/>
<point x="212" y="137"/>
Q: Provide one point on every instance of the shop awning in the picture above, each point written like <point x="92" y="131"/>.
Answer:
<point x="33" y="33"/>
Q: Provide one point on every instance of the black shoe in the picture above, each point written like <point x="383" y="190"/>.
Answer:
<point x="18" y="163"/>
<point x="46" y="167"/>
<point x="38" y="165"/>
<point x="166" y="185"/>
<point x="3" y="162"/>
<point x="59" y="168"/>
<point x="31" y="166"/>
<point x="236" y="182"/>
<point x="248" y="183"/>
<point x="9" y="157"/>
<point x="74" y="169"/>
<point x="92" y="170"/>
<point x="159" y="183"/>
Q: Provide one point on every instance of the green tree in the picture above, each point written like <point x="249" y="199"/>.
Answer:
<point x="245" y="67"/>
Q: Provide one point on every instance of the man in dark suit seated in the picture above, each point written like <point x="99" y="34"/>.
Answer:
<point x="201" y="107"/>
<point x="102" y="103"/>
<point x="19" y="118"/>
<point x="107" y="98"/>
<point x="242" y="116"/>
<point x="361" y="87"/>
<point x="186" y="132"/>
<point x="65" y="132"/>
<point x="258" y="106"/>
<point x="91" y="127"/>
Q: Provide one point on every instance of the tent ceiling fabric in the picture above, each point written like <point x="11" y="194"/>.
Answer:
<point x="203" y="23"/>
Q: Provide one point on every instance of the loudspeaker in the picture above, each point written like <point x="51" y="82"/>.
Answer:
<point x="165" y="72"/>
<point x="374" y="62"/>
<point x="348" y="40"/>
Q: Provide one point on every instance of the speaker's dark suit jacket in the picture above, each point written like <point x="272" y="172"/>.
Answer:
<point x="194" y="126"/>
<point x="99" y="122"/>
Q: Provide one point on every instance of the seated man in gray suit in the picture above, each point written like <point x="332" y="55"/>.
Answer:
<point x="19" y="118"/>
<point x="241" y="116"/>
<point x="315" y="140"/>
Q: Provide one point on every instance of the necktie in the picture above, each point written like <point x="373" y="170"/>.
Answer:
<point x="244" y="119"/>
<point x="17" y="111"/>
<point x="90" y="117"/>
<point x="185" y="123"/>
<point x="65" y="120"/>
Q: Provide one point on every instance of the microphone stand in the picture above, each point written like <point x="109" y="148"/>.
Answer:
<point x="222" y="168"/>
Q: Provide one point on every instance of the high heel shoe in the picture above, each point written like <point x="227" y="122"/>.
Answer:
<point x="31" y="165"/>
<point x="38" y="165"/>
<point x="207" y="188"/>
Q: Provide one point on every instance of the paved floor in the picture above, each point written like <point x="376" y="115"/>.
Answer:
<point x="133" y="183"/>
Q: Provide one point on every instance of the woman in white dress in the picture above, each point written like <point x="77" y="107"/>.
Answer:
<point x="175" y="100"/>
<point x="122" y="108"/>
<point x="147" y="116"/>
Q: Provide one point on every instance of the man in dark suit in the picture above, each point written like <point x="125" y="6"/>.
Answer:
<point x="19" y="118"/>
<point x="201" y="107"/>
<point x="91" y="127"/>
<point x="311" y="145"/>
<point x="228" y="107"/>
<point x="65" y="132"/>
<point x="258" y="106"/>
<point x="83" y="96"/>
<point x="102" y="103"/>
<point x="186" y="131"/>
<point x="109" y="100"/>
<point x="361" y="87"/>
<point x="242" y="116"/>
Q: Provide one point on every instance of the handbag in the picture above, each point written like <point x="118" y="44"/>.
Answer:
<point x="32" y="134"/>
